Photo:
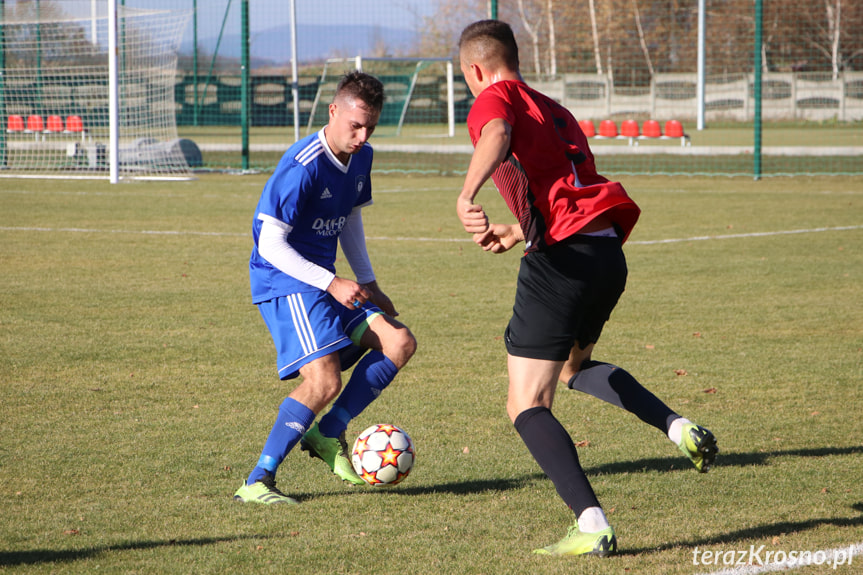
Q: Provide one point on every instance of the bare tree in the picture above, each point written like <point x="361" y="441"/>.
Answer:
<point x="834" y="25"/>
<point x="439" y="32"/>
<point x="596" y="53"/>
<point x="641" y="40"/>
<point x="533" y="32"/>
<point x="552" y="42"/>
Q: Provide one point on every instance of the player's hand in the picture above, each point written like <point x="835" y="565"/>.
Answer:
<point x="349" y="293"/>
<point x="381" y="299"/>
<point x="499" y="238"/>
<point x="473" y="218"/>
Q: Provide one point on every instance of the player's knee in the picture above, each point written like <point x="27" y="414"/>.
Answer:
<point x="329" y="388"/>
<point x="512" y="410"/>
<point x="401" y="347"/>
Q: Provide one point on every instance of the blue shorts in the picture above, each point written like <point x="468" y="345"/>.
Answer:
<point x="309" y="325"/>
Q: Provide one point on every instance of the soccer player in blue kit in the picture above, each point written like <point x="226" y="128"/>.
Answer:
<point x="322" y="323"/>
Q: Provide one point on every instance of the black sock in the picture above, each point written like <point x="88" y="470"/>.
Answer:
<point x="552" y="448"/>
<point x="616" y="386"/>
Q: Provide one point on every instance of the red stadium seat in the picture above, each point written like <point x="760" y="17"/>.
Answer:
<point x="35" y="124"/>
<point x="587" y="127"/>
<point x="651" y="129"/>
<point x="15" y="124"/>
<point x="673" y="129"/>
<point x="629" y="129"/>
<point x="607" y="129"/>
<point x="54" y="124"/>
<point x="74" y="124"/>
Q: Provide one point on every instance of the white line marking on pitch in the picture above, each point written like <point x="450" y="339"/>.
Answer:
<point x="422" y="239"/>
<point x="847" y="553"/>
<point x="748" y="235"/>
<point x="137" y="232"/>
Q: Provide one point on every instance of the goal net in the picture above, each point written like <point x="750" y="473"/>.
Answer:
<point x="54" y="91"/>
<point x="419" y="94"/>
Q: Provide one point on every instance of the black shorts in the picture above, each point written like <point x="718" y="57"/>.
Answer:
<point x="565" y="295"/>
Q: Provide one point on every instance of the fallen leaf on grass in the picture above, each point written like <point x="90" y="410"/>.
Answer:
<point x="582" y="443"/>
<point x="710" y="390"/>
<point x="71" y="532"/>
<point x="681" y="372"/>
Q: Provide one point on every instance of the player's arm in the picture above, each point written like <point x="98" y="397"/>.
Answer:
<point x="353" y="242"/>
<point x="491" y="149"/>
<point x="274" y="247"/>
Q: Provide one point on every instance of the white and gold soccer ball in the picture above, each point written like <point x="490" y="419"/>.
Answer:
<point x="383" y="454"/>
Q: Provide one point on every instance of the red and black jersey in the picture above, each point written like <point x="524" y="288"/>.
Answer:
<point x="549" y="178"/>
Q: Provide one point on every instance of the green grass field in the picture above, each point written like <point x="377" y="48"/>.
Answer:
<point x="138" y="386"/>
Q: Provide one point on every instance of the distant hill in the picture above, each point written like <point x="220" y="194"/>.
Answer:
<point x="314" y="42"/>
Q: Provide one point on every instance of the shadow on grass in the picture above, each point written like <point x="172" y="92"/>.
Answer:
<point x="36" y="556"/>
<point x="759" y="532"/>
<point x="722" y="460"/>
<point x="454" y="488"/>
<point x="660" y="464"/>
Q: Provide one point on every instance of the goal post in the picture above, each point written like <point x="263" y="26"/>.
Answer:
<point x="420" y="93"/>
<point x="88" y="92"/>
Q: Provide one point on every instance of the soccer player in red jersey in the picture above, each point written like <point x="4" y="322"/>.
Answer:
<point x="573" y="222"/>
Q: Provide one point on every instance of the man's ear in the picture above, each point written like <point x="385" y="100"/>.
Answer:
<point x="477" y="72"/>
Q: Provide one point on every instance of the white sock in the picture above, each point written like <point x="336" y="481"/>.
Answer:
<point x="592" y="520"/>
<point x="675" y="430"/>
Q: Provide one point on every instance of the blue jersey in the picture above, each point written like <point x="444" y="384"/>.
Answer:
<point x="312" y="192"/>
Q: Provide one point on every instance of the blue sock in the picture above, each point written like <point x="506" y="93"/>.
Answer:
<point x="292" y="422"/>
<point x="370" y="377"/>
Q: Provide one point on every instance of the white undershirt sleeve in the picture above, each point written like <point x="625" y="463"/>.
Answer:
<point x="273" y="246"/>
<point x="353" y="241"/>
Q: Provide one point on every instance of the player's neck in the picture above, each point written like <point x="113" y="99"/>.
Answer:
<point x="342" y="157"/>
<point x="505" y="75"/>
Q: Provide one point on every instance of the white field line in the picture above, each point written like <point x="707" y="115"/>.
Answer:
<point x="423" y="239"/>
<point x="831" y="562"/>
<point x="133" y="232"/>
<point x="747" y="235"/>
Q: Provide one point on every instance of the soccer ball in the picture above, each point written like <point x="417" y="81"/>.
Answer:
<point x="383" y="455"/>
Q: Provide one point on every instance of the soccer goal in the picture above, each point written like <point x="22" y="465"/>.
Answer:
<point x="420" y="95"/>
<point x="72" y="107"/>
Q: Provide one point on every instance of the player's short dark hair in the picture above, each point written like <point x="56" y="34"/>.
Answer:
<point x="363" y="87"/>
<point x="493" y="36"/>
